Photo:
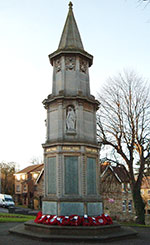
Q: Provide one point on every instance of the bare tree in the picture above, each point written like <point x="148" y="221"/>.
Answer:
<point x="144" y="1"/>
<point x="124" y="125"/>
<point x="35" y="160"/>
<point x="7" y="177"/>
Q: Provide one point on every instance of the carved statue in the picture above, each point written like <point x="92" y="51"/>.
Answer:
<point x="71" y="119"/>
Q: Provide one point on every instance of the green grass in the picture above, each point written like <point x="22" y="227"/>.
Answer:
<point x="6" y="217"/>
<point x="134" y="224"/>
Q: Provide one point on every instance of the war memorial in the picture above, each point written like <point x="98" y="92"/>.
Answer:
<point x="71" y="151"/>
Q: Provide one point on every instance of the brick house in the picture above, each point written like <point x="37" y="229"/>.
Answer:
<point x="25" y="184"/>
<point x="39" y="190"/>
<point x="145" y="193"/>
<point x="116" y="192"/>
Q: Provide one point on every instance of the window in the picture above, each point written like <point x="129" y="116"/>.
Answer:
<point x="23" y="177"/>
<point x="124" y="206"/>
<point x="148" y="202"/>
<point x="17" y="188"/>
<point x="123" y="187"/>
<point x="24" y="188"/>
<point x="35" y="175"/>
<point x="18" y="177"/>
<point x="129" y="187"/>
<point x="130" y="206"/>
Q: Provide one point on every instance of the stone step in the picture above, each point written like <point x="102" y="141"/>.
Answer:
<point x="58" y="233"/>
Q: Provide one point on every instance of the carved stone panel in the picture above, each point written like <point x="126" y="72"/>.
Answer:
<point x="70" y="63"/>
<point x="58" y="65"/>
<point x="83" y="65"/>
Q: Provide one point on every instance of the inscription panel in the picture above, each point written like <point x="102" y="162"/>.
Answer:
<point x="51" y="175"/>
<point x="95" y="209"/>
<point x="71" y="175"/>
<point x="71" y="148"/>
<point x="72" y="208"/>
<point x="49" y="207"/>
<point x="91" y="175"/>
<point x="92" y="150"/>
<point x="52" y="149"/>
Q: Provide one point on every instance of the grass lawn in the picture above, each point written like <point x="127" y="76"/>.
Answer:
<point x="133" y="224"/>
<point x="6" y="217"/>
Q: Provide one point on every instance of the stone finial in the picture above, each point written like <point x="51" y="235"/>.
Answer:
<point x="70" y="5"/>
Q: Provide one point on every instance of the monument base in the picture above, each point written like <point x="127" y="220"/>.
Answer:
<point x="73" y="233"/>
<point x="68" y="208"/>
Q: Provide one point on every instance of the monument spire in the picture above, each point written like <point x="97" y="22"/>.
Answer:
<point x="70" y="5"/>
<point x="70" y="38"/>
<point x="70" y="41"/>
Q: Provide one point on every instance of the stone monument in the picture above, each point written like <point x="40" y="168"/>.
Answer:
<point x="71" y="151"/>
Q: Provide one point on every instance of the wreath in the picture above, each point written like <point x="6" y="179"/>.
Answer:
<point x="73" y="220"/>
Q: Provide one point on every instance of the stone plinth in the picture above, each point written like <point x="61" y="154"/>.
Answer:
<point x="71" y="180"/>
<point x="72" y="233"/>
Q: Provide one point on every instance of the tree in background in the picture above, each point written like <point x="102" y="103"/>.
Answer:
<point x="124" y="125"/>
<point x="7" y="177"/>
<point x="35" y="160"/>
<point x="144" y="1"/>
<point x="146" y="169"/>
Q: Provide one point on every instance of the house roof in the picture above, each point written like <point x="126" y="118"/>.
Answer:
<point x="31" y="168"/>
<point x="40" y="175"/>
<point x="120" y="172"/>
<point x="39" y="168"/>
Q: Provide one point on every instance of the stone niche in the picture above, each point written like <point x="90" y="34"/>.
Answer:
<point x="71" y="120"/>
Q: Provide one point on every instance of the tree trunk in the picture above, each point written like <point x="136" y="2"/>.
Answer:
<point x="139" y="206"/>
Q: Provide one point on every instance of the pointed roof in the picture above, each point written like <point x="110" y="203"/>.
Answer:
<point x="31" y="168"/>
<point x="120" y="172"/>
<point x="70" y="37"/>
<point x="70" y="42"/>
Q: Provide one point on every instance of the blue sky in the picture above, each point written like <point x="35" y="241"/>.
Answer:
<point x="116" y="33"/>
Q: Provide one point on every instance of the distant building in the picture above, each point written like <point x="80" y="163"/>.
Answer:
<point x="25" y="184"/>
<point x="39" y="190"/>
<point x="145" y="193"/>
<point x="116" y="192"/>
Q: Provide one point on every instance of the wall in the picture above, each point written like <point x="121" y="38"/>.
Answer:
<point x="114" y="196"/>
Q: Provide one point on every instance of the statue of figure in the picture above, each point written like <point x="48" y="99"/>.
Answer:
<point x="71" y="119"/>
